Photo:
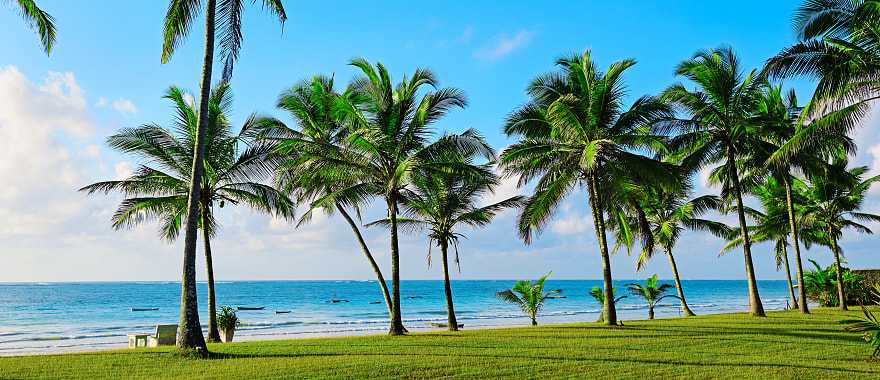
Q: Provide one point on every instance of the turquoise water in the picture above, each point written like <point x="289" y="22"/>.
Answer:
<point x="51" y="317"/>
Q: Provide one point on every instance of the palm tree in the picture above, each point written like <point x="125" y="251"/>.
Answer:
<point x="38" y="19"/>
<point x="159" y="192"/>
<point x="667" y="214"/>
<point x="833" y="203"/>
<point x="575" y="132"/>
<point x="309" y="155"/>
<point x="651" y="292"/>
<point x="719" y="130"/>
<point x="442" y="202"/>
<point x="178" y="21"/>
<point x="389" y="141"/>
<point x="599" y="295"/>
<point x="838" y="44"/>
<point x="529" y="296"/>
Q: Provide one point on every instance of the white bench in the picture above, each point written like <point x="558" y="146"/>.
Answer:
<point x="165" y="335"/>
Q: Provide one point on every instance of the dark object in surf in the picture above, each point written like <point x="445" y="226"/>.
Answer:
<point x="245" y="308"/>
<point x="282" y="311"/>
<point x="413" y="297"/>
<point x="375" y="302"/>
<point x="144" y="308"/>
<point x="445" y="325"/>
<point x="337" y="300"/>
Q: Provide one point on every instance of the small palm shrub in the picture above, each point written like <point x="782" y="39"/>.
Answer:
<point x="227" y="319"/>
<point x="599" y="296"/>
<point x="652" y="292"/>
<point x="821" y="286"/>
<point x="868" y="325"/>
<point x="529" y="296"/>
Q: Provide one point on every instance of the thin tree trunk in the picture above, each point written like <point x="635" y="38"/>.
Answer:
<point x="684" y="306"/>
<point x="189" y="333"/>
<point x="396" y="320"/>
<point x="792" y="223"/>
<point x="650" y="311"/>
<point x="794" y="300"/>
<point x="366" y="251"/>
<point x="534" y="321"/>
<point x="213" y="332"/>
<point x="596" y="207"/>
<point x="447" y="287"/>
<point x="841" y="293"/>
<point x="756" y="308"/>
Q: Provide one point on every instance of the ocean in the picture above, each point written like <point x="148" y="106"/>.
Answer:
<point x="64" y="317"/>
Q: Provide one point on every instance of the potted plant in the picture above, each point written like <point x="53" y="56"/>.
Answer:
<point x="227" y="321"/>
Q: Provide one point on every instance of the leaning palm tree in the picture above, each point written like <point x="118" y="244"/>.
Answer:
<point x="42" y="22"/>
<point x="719" y="130"/>
<point x="576" y="132"/>
<point x="178" y="21"/>
<point x="158" y="190"/>
<point x="528" y="296"/>
<point x="309" y="154"/>
<point x="599" y="295"/>
<point x="651" y="292"/>
<point x="390" y="139"/>
<point x="443" y="202"/>
<point x="667" y="214"/>
<point x="833" y="203"/>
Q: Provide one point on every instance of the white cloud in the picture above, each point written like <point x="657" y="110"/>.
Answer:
<point x="572" y="224"/>
<point x="123" y="170"/>
<point x="504" y="45"/>
<point x="102" y="102"/>
<point x="92" y="151"/>
<point x="124" y="106"/>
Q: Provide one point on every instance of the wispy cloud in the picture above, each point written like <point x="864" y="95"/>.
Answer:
<point x="121" y="105"/>
<point x="504" y="45"/>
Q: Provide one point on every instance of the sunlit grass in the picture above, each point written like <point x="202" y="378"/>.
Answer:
<point x="783" y="345"/>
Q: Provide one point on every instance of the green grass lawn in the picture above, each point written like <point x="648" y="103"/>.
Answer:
<point x="783" y="345"/>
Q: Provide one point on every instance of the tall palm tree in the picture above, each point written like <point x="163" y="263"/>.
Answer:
<point x="42" y="22"/>
<point x="839" y="45"/>
<point x="528" y="296"/>
<point x="719" y="130"/>
<point x="389" y="141"/>
<point x="776" y="119"/>
<point x="833" y="203"/>
<point x="652" y="292"/>
<point x="309" y="155"/>
<point x="159" y="192"/>
<point x="178" y="21"/>
<point x="443" y="202"/>
<point x="599" y="295"/>
<point x="668" y="214"/>
<point x="576" y="132"/>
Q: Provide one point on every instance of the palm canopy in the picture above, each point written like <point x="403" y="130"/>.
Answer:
<point x="651" y="291"/>
<point x="833" y="201"/>
<point x="181" y="14"/>
<point x="43" y="23"/>
<point x="159" y="188"/>
<point x="576" y="128"/>
<point x="529" y="296"/>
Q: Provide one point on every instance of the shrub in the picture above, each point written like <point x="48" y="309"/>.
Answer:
<point x="227" y="318"/>
<point x="821" y="286"/>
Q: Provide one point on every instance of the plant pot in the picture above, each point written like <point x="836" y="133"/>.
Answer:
<point x="226" y="335"/>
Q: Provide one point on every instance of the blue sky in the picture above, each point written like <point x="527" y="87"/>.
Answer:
<point x="106" y="74"/>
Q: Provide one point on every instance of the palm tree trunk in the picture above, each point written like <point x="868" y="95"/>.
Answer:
<point x="595" y="205"/>
<point x="792" y="223"/>
<point x="534" y="321"/>
<point x="794" y="300"/>
<point x="213" y="332"/>
<point x="396" y="320"/>
<point x="366" y="251"/>
<point x="756" y="308"/>
<point x="650" y="311"/>
<point x="447" y="287"/>
<point x="841" y="294"/>
<point x="189" y="334"/>
<point x="684" y="306"/>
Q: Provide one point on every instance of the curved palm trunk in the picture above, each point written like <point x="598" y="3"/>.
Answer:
<point x="684" y="306"/>
<point x="792" y="223"/>
<point x="756" y="308"/>
<point x="189" y="333"/>
<point x="794" y="300"/>
<point x="396" y="320"/>
<point x="841" y="293"/>
<point x="608" y="309"/>
<point x="650" y="311"/>
<point x="366" y="251"/>
<point x="447" y="287"/>
<point x="213" y="332"/>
